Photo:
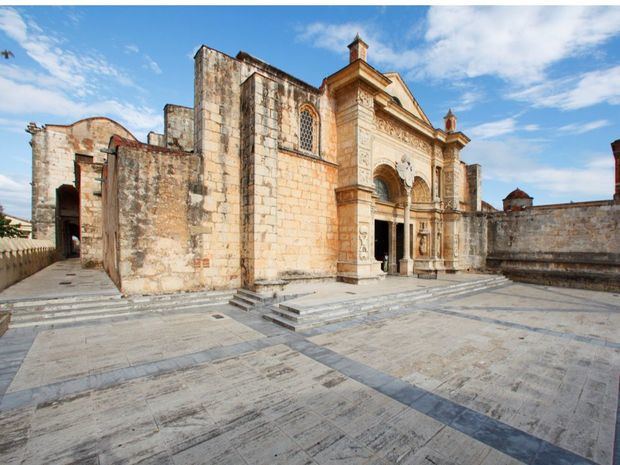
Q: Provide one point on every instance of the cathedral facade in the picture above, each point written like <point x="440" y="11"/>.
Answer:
<point x="265" y="181"/>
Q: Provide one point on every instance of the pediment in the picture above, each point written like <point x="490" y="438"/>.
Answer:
<point x="397" y="88"/>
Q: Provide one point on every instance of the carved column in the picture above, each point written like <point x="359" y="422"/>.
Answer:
<point x="393" y="258"/>
<point x="406" y="173"/>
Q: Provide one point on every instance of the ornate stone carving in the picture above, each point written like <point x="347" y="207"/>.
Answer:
<point x="363" y="241"/>
<point x="364" y="140"/>
<point x="405" y="171"/>
<point x="404" y="134"/>
<point x="423" y="245"/>
<point x="364" y="98"/>
<point x="437" y="151"/>
<point x="364" y="176"/>
<point x="364" y="158"/>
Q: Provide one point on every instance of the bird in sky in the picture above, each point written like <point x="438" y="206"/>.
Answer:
<point x="7" y="54"/>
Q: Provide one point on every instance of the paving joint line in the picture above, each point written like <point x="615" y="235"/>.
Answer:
<point x="500" y="436"/>
<point x="511" y="441"/>
<point x="62" y="389"/>
<point x="510" y="324"/>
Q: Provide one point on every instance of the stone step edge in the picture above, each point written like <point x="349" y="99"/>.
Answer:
<point x="293" y="325"/>
<point x="109" y="304"/>
<point x="120" y="305"/>
<point x="38" y="302"/>
<point x="360" y="311"/>
<point x="42" y="318"/>
<point x="410" y="295"/>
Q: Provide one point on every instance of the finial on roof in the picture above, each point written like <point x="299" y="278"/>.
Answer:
<point x="358" y="49"/>
<point x="450" y="121"/>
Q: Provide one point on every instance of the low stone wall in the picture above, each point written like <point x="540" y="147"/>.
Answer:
<point x="19" y="258"/>
<point x="575" y="245"/>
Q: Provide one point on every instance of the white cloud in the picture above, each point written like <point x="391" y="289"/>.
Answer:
<point x="517" y="44"/>
<point x="131" y="48"/>
<point x="588" y="89"/>
<point x="531" y="127"/>
<point x="493" y="129"/>
<point x="515" y="161"/>
<point x="468" y="99"/>
<point x="69" y="85"/>
<point x="152" y="64"/>
<point x="336" y="37"/>
<point x="15" y="196"/>
<point x="19" y="98"/>
<point x="581" y="128"/>
<point x="67" y="68"/>
<point x="13" y="125"/>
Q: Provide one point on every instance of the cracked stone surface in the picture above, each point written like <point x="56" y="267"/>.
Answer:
<point x="430" y="386"/>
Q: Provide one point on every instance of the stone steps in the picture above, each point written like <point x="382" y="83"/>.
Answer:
<point x="95" y="310"/>
<point x="247" y="300"/>
<point x="298" y="318"/>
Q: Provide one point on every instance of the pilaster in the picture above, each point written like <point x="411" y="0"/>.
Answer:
<point x="259" y="166"/>
<point x="355" y="124"/>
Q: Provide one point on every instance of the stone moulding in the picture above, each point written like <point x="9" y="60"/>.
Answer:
<point x="399" y="131"/>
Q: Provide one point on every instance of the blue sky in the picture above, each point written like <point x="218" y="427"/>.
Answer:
<point x="536" y="89"/>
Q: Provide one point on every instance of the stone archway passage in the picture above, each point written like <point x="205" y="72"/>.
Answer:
<point x="67" y="221"/>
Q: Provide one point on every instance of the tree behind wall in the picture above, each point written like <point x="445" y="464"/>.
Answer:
<point x="7" y="229"/>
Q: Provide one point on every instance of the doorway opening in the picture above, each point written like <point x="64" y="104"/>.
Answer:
<point x="400" y="244"/>
<point x="382" y="243"/>
<point x="67" y="221"/>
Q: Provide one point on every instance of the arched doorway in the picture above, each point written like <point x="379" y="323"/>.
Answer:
<point x="67" y="221"/>
<point x="388" y="232"/>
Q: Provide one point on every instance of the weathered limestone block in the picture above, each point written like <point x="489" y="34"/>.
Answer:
<point x="91" y="237"/>
<point x="178" y="128"/>
<point x="147" y="232"/>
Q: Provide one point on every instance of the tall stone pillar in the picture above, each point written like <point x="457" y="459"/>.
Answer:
<point x="452" y="189"/>
<point x="615" y="146"/>
<point x="406" y="173"/>
<point x="355" y="123"/>
<point x="259" y="166"/>
<point x="393" y="238"/>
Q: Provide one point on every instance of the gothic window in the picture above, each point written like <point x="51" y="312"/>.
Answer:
<point x="308" y="129"/>
<point x="382" y="190"/>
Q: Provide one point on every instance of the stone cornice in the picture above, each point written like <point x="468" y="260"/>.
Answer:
<point x="359" y="70"/>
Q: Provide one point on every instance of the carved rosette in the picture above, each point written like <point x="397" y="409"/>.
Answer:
<point x="364" y="98"/>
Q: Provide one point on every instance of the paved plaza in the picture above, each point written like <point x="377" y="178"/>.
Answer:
<point x="520" y="374"/>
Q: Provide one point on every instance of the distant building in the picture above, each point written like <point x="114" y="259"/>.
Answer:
<point x="24" y="225"/>
<point x="517" y="200"/>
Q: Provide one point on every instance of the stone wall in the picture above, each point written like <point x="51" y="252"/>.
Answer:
<point x="539" y="244"/>
<point x="222" y="205"/>
<point x="179" y="128"/>
<point x="54" y="151"/>
<point x="91" y="237"/>
<point x="307" y="221"/>
<point x="20" y="258"/>
<point x="473" y="231"/>
<point x="152" y="236"/>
